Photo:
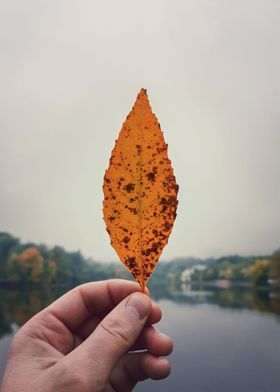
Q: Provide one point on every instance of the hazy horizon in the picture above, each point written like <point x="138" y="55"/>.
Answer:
<point x="70" y="73"/>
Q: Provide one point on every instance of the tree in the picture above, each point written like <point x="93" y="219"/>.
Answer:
<point x="63" y="272"/>
<point x="259" y="272"/>
<point x="27" y="267"/>
<point x="7" y="244"/>
<point x="51" y="270"/>
<point x="275" y="266"/>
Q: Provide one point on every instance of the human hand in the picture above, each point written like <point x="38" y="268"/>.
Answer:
<point x="85" y="340"/>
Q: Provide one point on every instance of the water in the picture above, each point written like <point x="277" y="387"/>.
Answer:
<point x="224" y="340"/>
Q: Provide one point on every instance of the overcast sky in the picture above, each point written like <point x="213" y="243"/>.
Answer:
<point x="69" y="74"/>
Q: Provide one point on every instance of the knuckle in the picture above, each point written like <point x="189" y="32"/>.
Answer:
<point x="117" y="329"/>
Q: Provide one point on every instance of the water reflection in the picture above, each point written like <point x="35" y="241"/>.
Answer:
<point x="267" y="301"/>
<point x="17" y="306"/>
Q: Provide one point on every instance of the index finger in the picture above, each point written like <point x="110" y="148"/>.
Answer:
<point x="89" y="299"/>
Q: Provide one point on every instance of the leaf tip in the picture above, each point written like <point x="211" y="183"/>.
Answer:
<point x="143" y="91"/>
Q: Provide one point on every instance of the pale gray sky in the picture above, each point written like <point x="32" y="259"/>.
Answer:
<point x="69" y="73"/>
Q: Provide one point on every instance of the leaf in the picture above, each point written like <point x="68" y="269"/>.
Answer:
<point x="140" y="192"/>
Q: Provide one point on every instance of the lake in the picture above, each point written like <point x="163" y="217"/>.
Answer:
<point x="225" y="340"/>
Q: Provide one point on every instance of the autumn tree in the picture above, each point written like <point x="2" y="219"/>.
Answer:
<point x="259" y="272"/>
<point x="27" y="267"/>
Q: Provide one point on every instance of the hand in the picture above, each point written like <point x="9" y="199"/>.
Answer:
<point x="85" y="340"/>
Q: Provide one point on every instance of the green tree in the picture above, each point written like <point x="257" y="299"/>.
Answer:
<point x="7" y="244"/>
<point x="63" y="273"/>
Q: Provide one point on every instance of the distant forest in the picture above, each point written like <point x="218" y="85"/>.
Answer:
<point x="36" y="264"/>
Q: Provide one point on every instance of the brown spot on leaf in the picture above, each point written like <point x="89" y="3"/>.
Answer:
<point x="129" y="187"/>
<point x="151" y="176"/>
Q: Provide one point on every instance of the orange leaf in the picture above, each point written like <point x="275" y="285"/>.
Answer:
<point x="140" y="192"/>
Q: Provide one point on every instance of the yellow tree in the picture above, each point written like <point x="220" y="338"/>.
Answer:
<point x="259" y="272"/>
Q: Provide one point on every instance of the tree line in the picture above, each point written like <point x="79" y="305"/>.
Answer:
<point x="259" y="270"/>
<point x="29" y="263"/>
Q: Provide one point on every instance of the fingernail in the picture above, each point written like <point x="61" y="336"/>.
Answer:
<point x="138" y="305"/>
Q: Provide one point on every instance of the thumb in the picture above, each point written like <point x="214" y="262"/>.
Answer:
<point x="113" y="337"/>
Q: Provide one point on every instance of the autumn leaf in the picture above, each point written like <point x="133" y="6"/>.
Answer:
<point x="140" y="192"/>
